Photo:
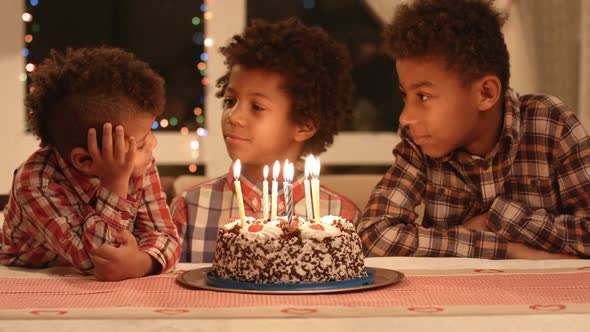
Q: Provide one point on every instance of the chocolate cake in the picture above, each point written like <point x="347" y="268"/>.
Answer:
<point x="272" y="251"/>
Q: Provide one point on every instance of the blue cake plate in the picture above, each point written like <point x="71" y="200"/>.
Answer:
<point x="204" y="278"/>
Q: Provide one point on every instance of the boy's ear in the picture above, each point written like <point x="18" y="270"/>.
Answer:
<point x="81" y="160"/>
<point x="305" y="132"/>
<point x="489" y="92"/>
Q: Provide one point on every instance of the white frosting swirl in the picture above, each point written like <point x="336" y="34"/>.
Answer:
<point x="308" y="232"/>
<point x="269" y="230"/>
<point x="333" y="220"/>
<point x="230" y="225"/>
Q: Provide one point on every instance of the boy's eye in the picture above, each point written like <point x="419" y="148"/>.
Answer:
<point x="228" y="102"/>
<point x="257" y="107"/>
<point x="423" y="97"/>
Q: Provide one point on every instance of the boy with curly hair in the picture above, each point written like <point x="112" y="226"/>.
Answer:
<point x="500" y="175"/>
<point x="286" y="90"/>
<point x="90" y="196"/>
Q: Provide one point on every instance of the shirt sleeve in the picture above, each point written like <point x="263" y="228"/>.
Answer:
<point x="567" y="232"/>
<point x="179" y="211"/>
<point x="388" y="226"/>
<point x="154" y="229"/>
<point x="68" y="228"/>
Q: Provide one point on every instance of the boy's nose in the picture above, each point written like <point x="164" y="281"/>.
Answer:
<point x="235" y="116"/>
<point x="407" y="117"/>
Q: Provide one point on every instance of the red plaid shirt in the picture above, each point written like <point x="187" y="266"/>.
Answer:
<point x="201" y="210"/>
<point x="535" y="184"/>
<point x="55" y="216"/>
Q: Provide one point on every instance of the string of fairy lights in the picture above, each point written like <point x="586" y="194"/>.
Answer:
<point x="198" y="38"/>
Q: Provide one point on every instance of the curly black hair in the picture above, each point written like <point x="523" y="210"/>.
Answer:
<point x="315" y="69"/>
<point x="467" y="34"/>
<point x="78" y="89"/>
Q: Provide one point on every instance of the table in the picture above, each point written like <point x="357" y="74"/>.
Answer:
<point x="446" y="294"/>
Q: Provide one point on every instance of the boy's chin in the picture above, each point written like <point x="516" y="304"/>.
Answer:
<point x="435" y="153"/>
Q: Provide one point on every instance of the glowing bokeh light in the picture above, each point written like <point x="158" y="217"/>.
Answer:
<point x="30" y="67"/>
<point x="202" y="132"/>
<point x="195" y="145"/>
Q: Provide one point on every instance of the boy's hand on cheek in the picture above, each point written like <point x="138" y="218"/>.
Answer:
<point x="113" y="164"/>
<point x="122" y="262"/>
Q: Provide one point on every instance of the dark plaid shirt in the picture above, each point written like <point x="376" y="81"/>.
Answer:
<point x="535" y="184"/>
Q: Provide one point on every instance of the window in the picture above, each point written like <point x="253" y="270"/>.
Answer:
<point x="167" y="34"/>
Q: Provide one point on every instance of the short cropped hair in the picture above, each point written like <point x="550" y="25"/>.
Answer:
<point x="467" y="34"/>
<point x="78" y="89"/>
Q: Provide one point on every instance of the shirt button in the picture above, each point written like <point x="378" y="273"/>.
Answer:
<point x="125" y="215"/>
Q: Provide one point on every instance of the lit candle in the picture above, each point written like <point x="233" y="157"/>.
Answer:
<point x="239" y="197"/>
<point x="315" y="189"/>
<point x="309" y="162"/>
<point x="265" y="203"/>
<point x="288" y="171"/>
<point x="275" y="188"/>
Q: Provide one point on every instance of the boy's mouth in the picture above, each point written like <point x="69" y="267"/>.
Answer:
<point x="231" y="138"/>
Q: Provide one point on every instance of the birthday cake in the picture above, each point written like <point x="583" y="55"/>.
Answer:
<point x="274" y="251"/>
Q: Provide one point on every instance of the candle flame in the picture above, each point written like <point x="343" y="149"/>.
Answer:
<point x="315" y="168"/>
<point x="288" y="171"/>
<point x="265" y="171"/>
<point x="237" y="169"/>
<point x="276" y="168"/>
<point x="285" y="166"/>
<point x="309" y="162"/>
